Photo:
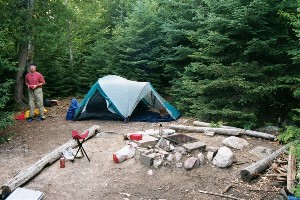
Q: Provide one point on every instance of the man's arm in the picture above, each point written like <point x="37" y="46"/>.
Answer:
<point x="26" y="82"/>
<point x="41" y="81"/>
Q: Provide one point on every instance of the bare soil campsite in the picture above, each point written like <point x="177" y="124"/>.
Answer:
<point x="102" y="178"/>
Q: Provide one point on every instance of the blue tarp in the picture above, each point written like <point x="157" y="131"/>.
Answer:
<point x="149" y="116"/>
<point x="293" y="198"/>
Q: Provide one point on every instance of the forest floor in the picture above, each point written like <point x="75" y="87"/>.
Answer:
<point x="103" y="179"/>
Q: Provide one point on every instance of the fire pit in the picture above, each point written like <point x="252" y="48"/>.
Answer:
<point x="180" y="139"/>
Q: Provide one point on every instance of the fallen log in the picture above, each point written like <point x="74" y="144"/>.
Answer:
<point x="243" y="131"/>
<point x="37" y="167"/>
<point x="291" y="171"/>
<point x="222" y="131"/>
<point x="205" y="124"/>
<point x="250" y="172"/>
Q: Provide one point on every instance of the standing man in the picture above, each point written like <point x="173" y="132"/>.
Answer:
<point x="34" y="81"/>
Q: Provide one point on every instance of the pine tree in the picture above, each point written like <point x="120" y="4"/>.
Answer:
<point x="240" y="65"/>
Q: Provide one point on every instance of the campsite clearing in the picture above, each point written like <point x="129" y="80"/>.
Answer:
<point x="103" y="179"/>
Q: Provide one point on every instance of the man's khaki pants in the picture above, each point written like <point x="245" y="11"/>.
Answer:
<point x="36" y="95"/>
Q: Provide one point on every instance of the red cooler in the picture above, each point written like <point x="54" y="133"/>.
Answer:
<point x="136" y="136"/>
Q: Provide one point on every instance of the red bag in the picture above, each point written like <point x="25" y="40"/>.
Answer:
<point x="20" y="117"/>
<point x="136" y="136"/>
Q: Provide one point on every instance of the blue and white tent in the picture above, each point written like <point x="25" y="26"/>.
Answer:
<point x="114" y="97"/>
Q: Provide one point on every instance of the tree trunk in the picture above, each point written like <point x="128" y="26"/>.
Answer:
<point x="37" y="167"/>
<point x="19" y="85"/>
<point x="291" y="171"/>
<point x="222" y="131"/>
<point x="243" y="131"/>
<point x="250" y="172"/>
<point x="22" y="61"/>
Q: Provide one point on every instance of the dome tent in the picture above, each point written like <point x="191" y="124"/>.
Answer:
<point x="114" y="97"/>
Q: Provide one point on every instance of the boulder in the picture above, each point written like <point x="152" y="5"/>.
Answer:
<point x="190" y="163"/>
<point x="235" y="142"/>
<point x="224" y="158"/>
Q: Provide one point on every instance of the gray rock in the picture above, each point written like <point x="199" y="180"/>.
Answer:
<point x="190" y="163"/>
<point x="180" y="149"/>
<point x="157" y="163"/>
<point x="178" y="156"/>
<point x="194" y="146"/>
<point x="201" y="158"/>
<point x="179" y="165"/>
<point x="163" y="143"/>
<point x="211" y="148"/>
<point x="170" y="158"/>
<point x="224" y="158"/>
<point x="210" y="155"/>
<point x="235" y="142"/>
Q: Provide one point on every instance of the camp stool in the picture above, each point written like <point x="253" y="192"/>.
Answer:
<point x="76" y="136"/>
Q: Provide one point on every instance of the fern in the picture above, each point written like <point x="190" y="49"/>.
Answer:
<point x="291" y="133"/>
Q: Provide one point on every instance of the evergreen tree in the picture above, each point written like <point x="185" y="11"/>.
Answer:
<point x="131" y="49"/>
<point x="178" y="21"/>
<point x="241" y="63"/>
<point x="294" y="17"/>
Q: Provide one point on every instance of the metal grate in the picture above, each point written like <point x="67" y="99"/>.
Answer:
<point x="180" y="139"/>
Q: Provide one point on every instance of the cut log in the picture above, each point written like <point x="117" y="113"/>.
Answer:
<point x="250" y="172"/>
<point x="222" y="131"/>
<point x="243" y="131"/>
<point x="37" y="167"/>
<point x="259" y="134"/>
<point x="291" y="171"/>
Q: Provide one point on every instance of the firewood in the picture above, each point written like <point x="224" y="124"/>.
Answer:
<point x="37" y="167"/>
<point x="281" y="178"/>
<point x="227" y="189"/>
<point x="262" y="190"/>
<point x="291" y="171"/>
<point x="220" y="195"/>
<point x="250" y="172"/>
<point x="243" y="131"/>
<point x="275" y="175"/>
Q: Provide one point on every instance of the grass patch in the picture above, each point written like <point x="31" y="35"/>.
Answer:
<point x="6" y="138"/>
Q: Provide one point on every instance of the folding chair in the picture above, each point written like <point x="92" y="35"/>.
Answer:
<point x="76" y="136"/>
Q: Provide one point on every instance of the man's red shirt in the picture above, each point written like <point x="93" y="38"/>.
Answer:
<point x="34" y="78"/>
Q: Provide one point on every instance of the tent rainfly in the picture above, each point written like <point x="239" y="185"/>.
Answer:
<point x="114" y="97"/>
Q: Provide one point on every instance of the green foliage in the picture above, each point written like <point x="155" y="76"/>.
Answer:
<point x="6" y="137"/>
<point x="5" y="116"/>
<point x="216" y="125"/>
<point x="291" y="133"/>
<point x="297" y="191"/>
<point x="7" y="70"/>
<point x="236" y="73"/>
<point x="233" y="61"/>
<point x="178" y="20"/>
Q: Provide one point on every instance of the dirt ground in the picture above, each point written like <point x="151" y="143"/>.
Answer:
<point x="103" y="179"/>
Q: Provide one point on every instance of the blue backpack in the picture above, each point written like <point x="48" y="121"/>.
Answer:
<point x="71" y="111"/>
